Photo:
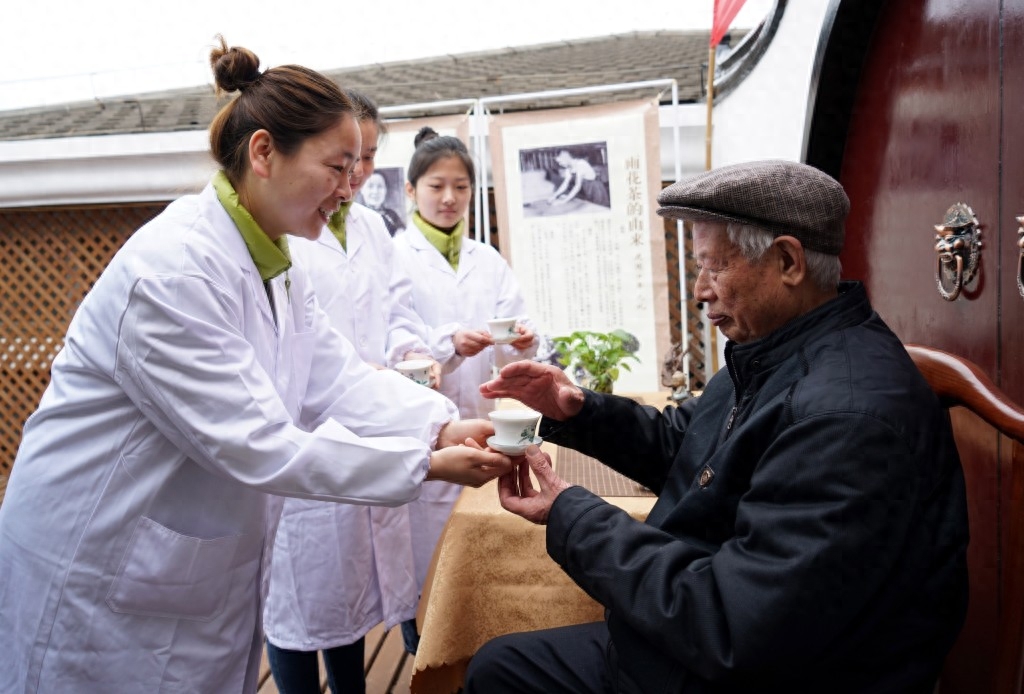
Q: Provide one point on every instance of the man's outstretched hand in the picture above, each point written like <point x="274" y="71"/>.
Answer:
<point x="542" y="387"/>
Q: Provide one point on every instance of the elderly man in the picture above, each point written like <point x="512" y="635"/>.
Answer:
<point x="810" y="531"/>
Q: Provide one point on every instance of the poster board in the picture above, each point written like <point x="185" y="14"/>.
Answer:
<point x="588" y="256"/>
<point x="393" y="154"/>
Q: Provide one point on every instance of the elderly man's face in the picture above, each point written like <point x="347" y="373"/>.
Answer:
<point x="745" y="301"/>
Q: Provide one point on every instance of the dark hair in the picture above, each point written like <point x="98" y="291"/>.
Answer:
<point x="440" y="147"/>
<point x="290" y="102"/>
<point x="366" y="109"/>
<point x="425" y="133"/>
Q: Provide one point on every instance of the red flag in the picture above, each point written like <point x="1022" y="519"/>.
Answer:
<point x="725" y="12"/>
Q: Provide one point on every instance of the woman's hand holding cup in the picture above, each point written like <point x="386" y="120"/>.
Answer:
<point x="471" y="342"/>
<point x="467" y="464"/>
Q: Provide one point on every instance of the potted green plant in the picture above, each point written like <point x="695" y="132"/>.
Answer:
<point x="593" y="359"/>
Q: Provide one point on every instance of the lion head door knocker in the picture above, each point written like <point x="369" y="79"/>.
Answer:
<point x="958" y="245"/>
<point x="1020" y="256"/>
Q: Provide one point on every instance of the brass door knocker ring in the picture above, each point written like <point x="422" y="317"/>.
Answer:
<point x="1020" y="256"/>
<point x="958" y="247"/>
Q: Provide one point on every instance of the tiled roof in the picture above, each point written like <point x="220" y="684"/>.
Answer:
<point x="618" y="59"/>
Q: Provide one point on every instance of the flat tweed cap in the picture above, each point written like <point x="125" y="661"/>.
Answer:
<point x="783" y="197"/>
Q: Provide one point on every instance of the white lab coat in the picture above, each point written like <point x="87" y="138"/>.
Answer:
<point x="339" y="570"/>
<point x="134" y="533"/>
<point x="447" y="301"/>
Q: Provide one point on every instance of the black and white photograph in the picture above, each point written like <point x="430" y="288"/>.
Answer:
<point x="384" y="193"/>
<point x="571" y="179"/>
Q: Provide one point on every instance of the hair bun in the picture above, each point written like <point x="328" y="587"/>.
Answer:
<point x="425" y="133"/>
<point x="234" y="68"/>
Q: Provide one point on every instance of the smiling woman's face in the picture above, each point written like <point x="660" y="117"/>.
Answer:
<point x="367" y="155"/>
<point x="298" y="192"/>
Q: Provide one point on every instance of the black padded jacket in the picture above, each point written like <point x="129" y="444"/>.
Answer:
<point x="810" y="533"/>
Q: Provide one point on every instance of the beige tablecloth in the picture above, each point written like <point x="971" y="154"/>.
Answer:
<point x="492" y="576"/>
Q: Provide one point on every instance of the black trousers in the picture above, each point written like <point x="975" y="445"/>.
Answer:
<point x="567" y="659"/>
<point x="298" y="672"/>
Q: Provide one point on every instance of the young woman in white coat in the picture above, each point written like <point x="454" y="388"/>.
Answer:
<point x="137" y="527"/>
<point x="458" y="284"/>
<point x="339" y="570"/>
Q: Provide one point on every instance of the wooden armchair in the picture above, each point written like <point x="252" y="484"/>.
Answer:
<point x="989" y="432"/>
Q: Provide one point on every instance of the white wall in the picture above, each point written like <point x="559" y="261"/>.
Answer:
<point x="113" y="168"/>
<point x="692" y="120"/>
<point x="764" y="117"/>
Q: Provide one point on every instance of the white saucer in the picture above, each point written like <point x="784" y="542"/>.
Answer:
<point x="512" y="449"/>
<point x="506" y="340"/>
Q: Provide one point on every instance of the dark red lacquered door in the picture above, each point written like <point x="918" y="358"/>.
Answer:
<point x="1011" y="315"/>
<point x="1011" y="361"/>
<point x="928" y="130"/>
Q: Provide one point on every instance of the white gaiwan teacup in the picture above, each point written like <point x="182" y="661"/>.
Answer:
<point x="416" y="369"/>
<point x="503" y="330"/>
<point x="514" y="430"/>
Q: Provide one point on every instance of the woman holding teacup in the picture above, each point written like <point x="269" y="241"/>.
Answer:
<point x="340" y="569"/>
<point x="458" y="285"/>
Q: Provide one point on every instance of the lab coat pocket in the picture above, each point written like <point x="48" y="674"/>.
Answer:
<point x="167" y="574"/>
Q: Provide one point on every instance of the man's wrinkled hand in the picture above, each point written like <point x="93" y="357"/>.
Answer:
<point x="517" y="493"/>
<point x="542" y="387"/>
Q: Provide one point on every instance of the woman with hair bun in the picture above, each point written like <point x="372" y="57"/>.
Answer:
<point x="199" y="382"/>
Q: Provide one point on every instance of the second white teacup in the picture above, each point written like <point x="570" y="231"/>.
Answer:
<point x="503" y="330"/>
<point x="416" y="369"/>
<point x="515" y="427"/>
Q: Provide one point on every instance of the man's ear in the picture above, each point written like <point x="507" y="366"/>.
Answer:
<point x="791" y="259"/>
<point x="261" y="149"/>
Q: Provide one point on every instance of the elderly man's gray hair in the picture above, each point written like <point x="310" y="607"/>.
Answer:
<point x="822" y="269"/>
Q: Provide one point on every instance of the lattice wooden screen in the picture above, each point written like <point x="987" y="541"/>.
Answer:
<point x="49" y="258"/>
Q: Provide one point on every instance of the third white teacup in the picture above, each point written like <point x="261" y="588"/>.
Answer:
<point x="416" y="369"/>
<point x="503" y="330"/>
